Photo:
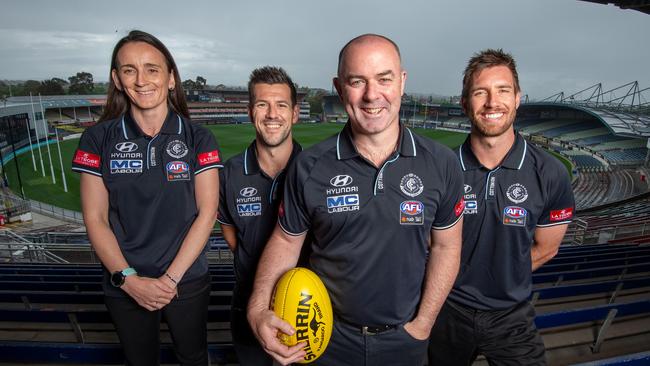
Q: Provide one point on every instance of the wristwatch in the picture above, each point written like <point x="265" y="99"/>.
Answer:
<point x="118" y="277"/>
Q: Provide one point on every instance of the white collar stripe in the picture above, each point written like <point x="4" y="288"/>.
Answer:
<point x="246" y="161"/>
<point x="460" y="155"/>
<point x="124" y="128"/>
<point x="412" y="142"/>
<point x="180" y="124"/>
<point x="338" y="150"/>
<point x="523" y="156"/>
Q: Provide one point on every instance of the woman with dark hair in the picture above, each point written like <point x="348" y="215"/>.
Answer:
<point x="149" y="192"/>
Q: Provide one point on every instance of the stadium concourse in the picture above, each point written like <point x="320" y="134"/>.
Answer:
<point x="592" y="300"/>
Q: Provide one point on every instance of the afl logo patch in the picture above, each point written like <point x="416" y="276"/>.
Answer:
<point x="411" y="185"/>
<point x="411" y="207"/>
<point x="177" y="170"/>
<point x="176" y="149"/>
<point x="517" y="193"/>
<point x="126" y="147"/>
<point x="411" y="213"/>
<point x="514" y="216"/>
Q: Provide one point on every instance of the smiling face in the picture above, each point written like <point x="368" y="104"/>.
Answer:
<point x="371" y="83"/>
<point x="492" y="101"/>
<point x="272" y="113"/>
<point x="142" y="74"/>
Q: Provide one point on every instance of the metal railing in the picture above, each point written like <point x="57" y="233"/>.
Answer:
<point x="76" y="253"/>
<point x="580" y="233"/>
<point x="58" y="212"/>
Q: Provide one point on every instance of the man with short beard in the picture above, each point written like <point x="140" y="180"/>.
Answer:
<point x="384" y="209"/>
<point x="518" y="204"/>
<point x="251" y="191"/>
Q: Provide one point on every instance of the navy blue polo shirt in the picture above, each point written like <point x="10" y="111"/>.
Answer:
<point x="249" y="201"/>
<point x="372" y="226"/>
<point x="503" y="207"/>
<point x="150" y="183"/>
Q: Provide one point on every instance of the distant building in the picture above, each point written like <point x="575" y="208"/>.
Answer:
<point x="228" y="105"/>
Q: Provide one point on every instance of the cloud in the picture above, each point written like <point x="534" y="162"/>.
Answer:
<point x="559" y="45"/>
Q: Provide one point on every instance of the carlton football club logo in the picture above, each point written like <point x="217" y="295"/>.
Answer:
<point x="411" y="185"/>
<point x="517" y="193"/>
<point x="176" y="149"/>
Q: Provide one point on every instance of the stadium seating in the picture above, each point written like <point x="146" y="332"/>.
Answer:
<point x="522" y="124"/>
<point x="585" y="134"/>
<point x="543" y="126"/>
<point x="595" y="140"/>
<point x="569" y="127"/>
<point x="582" y="159"/>
<point x="636" y="359"/>
<point x="56" y="312"/>
<point x="620" y="144"/>
<point x="633" y="155"/>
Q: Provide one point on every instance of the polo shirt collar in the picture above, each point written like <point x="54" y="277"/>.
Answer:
<point x="173" y="125"/>
<point x="252" y="166"/>
<point x="513" y="160"/>
<point x="345" y="148"/>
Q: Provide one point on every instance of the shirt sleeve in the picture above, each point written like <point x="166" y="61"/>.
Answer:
<point x="223" y="216"/>
<point x="452" y="205"/>
<point x="292" y="214"/>
<point x="88" y="156"/>
<point x="560" y="203"/>
<point x="207" y="151"/>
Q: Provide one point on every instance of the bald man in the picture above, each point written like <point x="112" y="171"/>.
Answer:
<point x="385" y="209"/>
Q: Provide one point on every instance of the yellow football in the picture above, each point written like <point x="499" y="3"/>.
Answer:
<point x="300" y="298"/>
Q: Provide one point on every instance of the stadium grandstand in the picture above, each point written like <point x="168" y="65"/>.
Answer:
<point x="83" y="110"/>
<point x="638" y="5"/>
<point x="413" y="113"/>
<point x="219" y="104"/>
<point x="604" y="134"/>
<point x="592" y="300"/>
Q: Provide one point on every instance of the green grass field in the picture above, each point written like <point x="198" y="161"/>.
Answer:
<point x="564" y="161"/>
<point x="232" y="139"/>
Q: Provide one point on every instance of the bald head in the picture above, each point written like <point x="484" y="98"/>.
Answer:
<point x="361" y="40"/>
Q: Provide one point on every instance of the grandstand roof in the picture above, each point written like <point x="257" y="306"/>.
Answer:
<point x="619" y="122"/>
<point x="640" y="5"/>
<point x="61" y="101"/>
<point x="625" y="109"/>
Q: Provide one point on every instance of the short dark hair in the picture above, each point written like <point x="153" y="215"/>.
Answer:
<point x="359" y="38"/>
<point x="271" y="75"/>
<point x="117" y="103"/>
<point x="488" y="58"/>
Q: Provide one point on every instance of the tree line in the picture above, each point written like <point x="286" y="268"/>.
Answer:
<point x="79" y="84"/>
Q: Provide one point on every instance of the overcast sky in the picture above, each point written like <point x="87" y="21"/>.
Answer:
<point x="560" y="45"/>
